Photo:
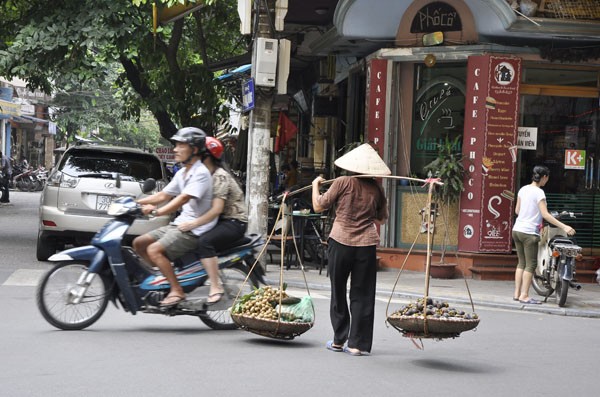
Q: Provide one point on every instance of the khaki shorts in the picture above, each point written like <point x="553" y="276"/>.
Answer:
<point x="175" y="242"/>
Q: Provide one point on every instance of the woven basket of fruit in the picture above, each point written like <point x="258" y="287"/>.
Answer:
<point x="271" y="328"/>
<point x="274" y="314"/>
<point x="436" y="319"/>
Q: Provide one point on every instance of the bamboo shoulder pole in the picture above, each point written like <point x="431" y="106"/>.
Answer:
<point x="430" y="181"/>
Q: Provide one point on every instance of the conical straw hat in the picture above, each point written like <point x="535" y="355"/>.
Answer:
<point x="363" y="160"/>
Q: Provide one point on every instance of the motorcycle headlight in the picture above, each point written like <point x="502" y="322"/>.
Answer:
<point x="120" y="206"/>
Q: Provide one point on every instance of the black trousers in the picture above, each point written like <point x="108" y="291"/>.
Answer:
<point x="4" y="183"/>
<point x="220" y="237"/>
<point x="360" y="264"/>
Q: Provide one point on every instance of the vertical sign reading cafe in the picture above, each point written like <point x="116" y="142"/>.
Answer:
<point x="491" y="111"/>
<point x="376" y="103"/>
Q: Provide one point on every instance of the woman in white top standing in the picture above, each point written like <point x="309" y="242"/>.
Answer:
<point x="531" y="208"/>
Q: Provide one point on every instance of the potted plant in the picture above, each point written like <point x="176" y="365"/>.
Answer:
<point x="448" y="167"/>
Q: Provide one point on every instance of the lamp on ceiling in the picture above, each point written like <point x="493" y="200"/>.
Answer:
<point x="430" y="60"/>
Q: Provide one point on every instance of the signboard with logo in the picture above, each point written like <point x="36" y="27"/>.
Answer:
<point x="436" y="16"/>
<point x="574" y="159"/>
<point x="492" y="102"/>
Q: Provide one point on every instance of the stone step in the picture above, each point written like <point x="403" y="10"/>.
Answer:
<point x="583" y="276"/>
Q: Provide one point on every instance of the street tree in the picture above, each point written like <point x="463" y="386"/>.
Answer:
<point x="92" y="110"/>
<point x="170" y="73"/>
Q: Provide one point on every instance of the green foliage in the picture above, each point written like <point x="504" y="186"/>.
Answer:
<point x="448" y="166"/>
<point x="53" y="45"/>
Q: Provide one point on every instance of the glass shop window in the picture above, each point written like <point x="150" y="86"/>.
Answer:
<point x="439" y="111"/>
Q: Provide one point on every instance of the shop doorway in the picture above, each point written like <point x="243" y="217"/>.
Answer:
<point x="567" y="141"/>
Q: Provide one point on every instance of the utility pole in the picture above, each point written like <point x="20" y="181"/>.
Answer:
<point x="259" y="131"/>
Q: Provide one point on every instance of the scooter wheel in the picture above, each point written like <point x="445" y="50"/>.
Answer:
<point x="233" y="280"/>
<point x="55" y="302"/>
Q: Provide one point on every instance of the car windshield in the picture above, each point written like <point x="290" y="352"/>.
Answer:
<point x="105" y="164"/>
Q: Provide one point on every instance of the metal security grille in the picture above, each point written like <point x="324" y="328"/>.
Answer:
<point x="587" y="225"/>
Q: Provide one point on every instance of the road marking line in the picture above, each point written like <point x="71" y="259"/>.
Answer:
<point x="25" y="277"/>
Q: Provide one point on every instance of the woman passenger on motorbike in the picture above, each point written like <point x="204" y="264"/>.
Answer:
<point x="530" y="209"/>
<point x="229" y="206"/>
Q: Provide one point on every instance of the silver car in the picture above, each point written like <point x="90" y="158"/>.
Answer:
<point x="81" y="187"/>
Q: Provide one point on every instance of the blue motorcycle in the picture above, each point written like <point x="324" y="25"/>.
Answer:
<point x="75" y="293"/>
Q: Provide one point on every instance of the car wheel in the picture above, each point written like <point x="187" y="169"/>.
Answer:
<point x="45" y="248"/>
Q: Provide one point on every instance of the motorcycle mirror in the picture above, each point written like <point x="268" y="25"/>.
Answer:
<point x="149" y="185"/>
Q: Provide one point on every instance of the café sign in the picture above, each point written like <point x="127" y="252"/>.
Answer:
<point x="491" y="110"/>
<point x="376" y="102"/>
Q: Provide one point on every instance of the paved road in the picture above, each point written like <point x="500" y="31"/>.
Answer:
<point x="513" y="352"/>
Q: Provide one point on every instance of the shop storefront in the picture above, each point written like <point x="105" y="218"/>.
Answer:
<point x="452" y="73"/>
<point x="26" y="132"/>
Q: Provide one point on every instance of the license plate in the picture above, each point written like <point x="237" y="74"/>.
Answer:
<point x="102" y="202"/>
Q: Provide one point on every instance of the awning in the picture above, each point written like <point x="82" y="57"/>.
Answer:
<point x="21" y="119"/>
<point x="35" y="119"/>
<point x="237" y="72"/>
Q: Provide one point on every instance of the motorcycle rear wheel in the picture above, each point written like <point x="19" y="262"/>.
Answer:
<point x="53" y="297"/>
<point x="23" y="185"/>
<point x="233" y="280"/>
<point x="562" y="289"/>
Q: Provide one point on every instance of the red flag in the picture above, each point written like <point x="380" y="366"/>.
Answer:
<point x="286" y="130"/>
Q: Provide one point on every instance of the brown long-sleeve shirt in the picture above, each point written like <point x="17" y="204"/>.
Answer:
<point x="359" y="203"/>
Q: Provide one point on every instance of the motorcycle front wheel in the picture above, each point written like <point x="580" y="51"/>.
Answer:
<point x="540" y="284"/>
<point x="233" y="283"/>
<point x="54" y="297"/>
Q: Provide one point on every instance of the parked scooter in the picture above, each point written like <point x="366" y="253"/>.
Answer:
<point x="74" y="294"/>
<point x="39" y="177"/>
<point x="557" y="253"/>
<point x="25" y="180"/>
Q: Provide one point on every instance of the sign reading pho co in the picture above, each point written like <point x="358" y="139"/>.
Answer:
<point x="492" y="102"/>
<point x="436" y="17"/>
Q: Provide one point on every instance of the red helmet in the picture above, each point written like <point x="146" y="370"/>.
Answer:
<point x="214" y="146"/>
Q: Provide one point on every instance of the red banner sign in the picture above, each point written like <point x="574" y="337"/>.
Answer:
<point x="491" y="119"/>
<point x="376" y="102"/>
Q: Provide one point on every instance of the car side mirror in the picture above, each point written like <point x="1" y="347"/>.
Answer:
<point x="149" y="185"/>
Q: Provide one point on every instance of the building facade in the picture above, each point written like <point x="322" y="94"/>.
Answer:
<point x="26" y="131"/>
<point x="513" y="87"/>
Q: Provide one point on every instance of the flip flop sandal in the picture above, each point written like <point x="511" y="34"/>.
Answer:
<point x="355" y="352"/>
<point x="216" y="294"/>
<point x="531" y="301"/>
<point x="334" y="348"/>
<point x="172" y="300"/>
